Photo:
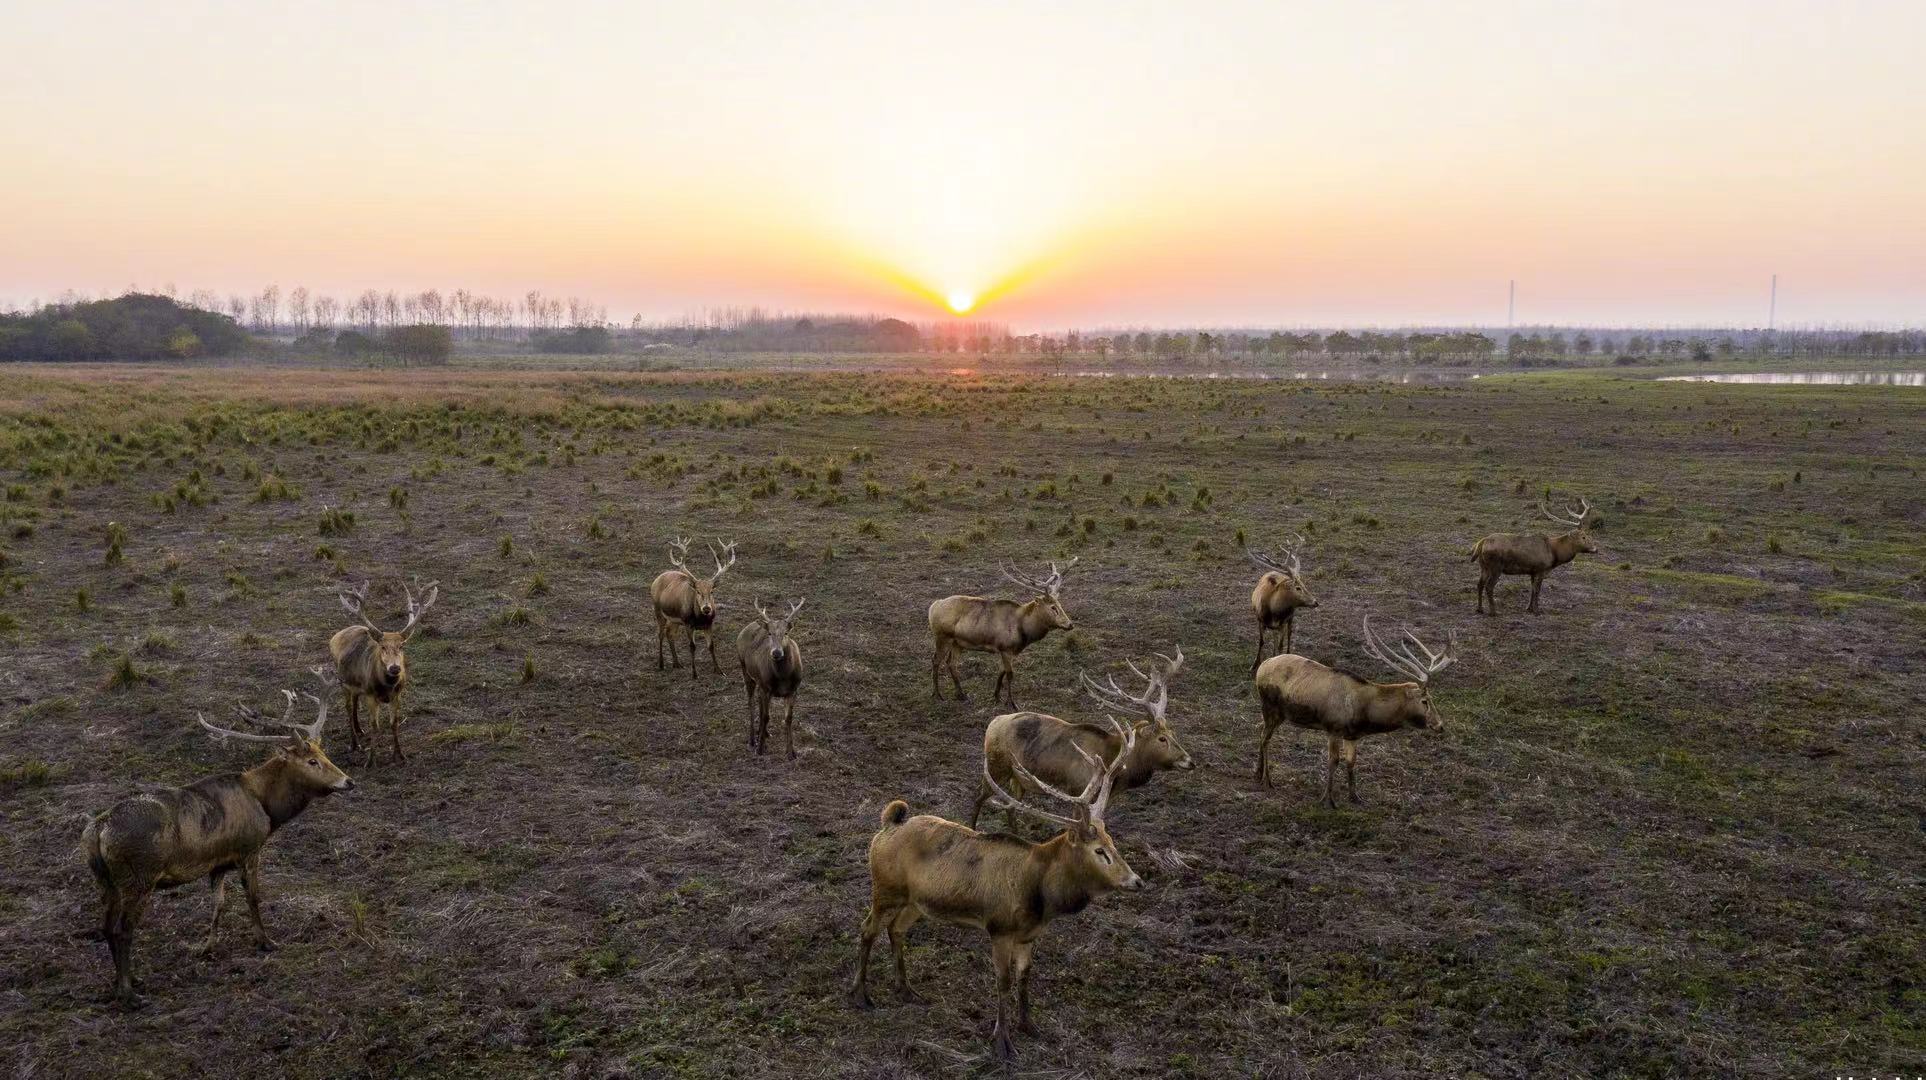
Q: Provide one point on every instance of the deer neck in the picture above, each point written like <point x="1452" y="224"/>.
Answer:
<point x="280" y="797"/>
<point x="1032" y="623"/>
<point x="1061" y="888"/>
<point x="1564" y="547"/>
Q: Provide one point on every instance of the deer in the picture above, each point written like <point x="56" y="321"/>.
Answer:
<point x="771" y="668"/>
<point x="1060" y="751"/>
<point x="1532" y="553"/>
<point x="1347" y="707"/>
<point x="1006" y="886"/>
<point x="685" y="597"/>
<point x="216" y="825"/>
<point x="1004" y="627"/>
<point x="371" y="664"/>
<point x="1279" y="593"/>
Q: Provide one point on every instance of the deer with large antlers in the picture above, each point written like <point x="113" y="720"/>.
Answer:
<point x="1061" y="752"/>
<point x="1345" y="707"/>
<point x="219" y="824"/>
<point x="771" y="668"/>
<point x="1006" y="886"/>
<point x="1534" y="554"/>
<point x="687" y="599"/>
<point x="371" y="664"/>
<point x="1279" y="593"/>
<point x="1004" y="627"/>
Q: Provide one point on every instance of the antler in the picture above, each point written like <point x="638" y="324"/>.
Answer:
<point x="729" y="549"/>
<point x="1293" y="568"/>
<point x="1156" y="696"/>
<point x="1399" y="656"/>
<point x="354" y="599"/>
<point x="1043" y="586"/>
<point x="416" y="609"/>
<point x="306" y="732"/>
<point x="795" y="606"/>
<point x="1574" y="514"/>
<point x="678" y="551"/>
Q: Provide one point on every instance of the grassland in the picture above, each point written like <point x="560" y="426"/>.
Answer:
<point x="1673" y="825"/>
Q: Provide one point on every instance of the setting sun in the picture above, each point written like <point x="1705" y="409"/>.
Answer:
<point x="961" y="302"/>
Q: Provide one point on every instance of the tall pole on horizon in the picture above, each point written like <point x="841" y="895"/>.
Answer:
<point x="1772" y="307"/>
<point x="1511" y="302"/>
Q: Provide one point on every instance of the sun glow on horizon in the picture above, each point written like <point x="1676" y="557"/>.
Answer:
<point x="961" y="301"/>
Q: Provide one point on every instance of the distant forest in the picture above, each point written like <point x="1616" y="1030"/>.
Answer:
<point x="430" y="326"/>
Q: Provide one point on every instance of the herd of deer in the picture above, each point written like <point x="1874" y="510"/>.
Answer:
<point x="1002" y="883"/>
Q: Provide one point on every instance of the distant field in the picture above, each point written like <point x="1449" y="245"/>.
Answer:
<point x="1673" y="826"/>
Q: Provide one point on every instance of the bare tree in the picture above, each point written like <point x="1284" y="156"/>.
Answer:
<point x="298" y="307"/>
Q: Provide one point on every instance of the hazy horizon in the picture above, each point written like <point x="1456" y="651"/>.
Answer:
<point x="1235" y="165"/>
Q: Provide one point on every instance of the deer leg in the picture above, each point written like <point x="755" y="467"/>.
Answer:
<point x="1003" y="955"/>
<point x="749" y="687"/>
<point x="1023" y="951"/>
<point x="956" y="679"/>
<point x="982" y="796"/>
<point x="711" y="635"/>
<point x="936" y="671"/>
<point x="1350" y="752"/>
<point x="1008" y="679"/>
<point x="1483" y="581"/>
<point x="110" y="928"/>
<point x="251" y="882"/>
<point x="1290" y="629"/>
<point x="661" y="633"/>
<point x="762" y="723"/>
<point x="1536" y="581"/>
<point x="859" y="990"/>
<point x="668" y="631"/>
<point x="789" y="726"/>
<point x="898" y="934"/>
<point x="1260" y="645"/>
<point x="354" y="718"/>
<point x="120" y="939"/>
<point x="217" y="881"/>
<point x="1331" y="753"/>
<point x="394" y="727"/>
<point x="374" y="727"/>
<point x="1263" y="765"/>
<point x="695" y="673"/>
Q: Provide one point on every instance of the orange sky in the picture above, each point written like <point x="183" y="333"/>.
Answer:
<point x="1061" y="164"/>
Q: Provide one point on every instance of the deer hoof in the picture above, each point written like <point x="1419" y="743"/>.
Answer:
<point x="859" y="999"/>
<point x="1000" y="1045"/>
<point x="267" y="944"/>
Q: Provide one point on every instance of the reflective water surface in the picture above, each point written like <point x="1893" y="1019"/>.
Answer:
<point x="1816" y="378"/>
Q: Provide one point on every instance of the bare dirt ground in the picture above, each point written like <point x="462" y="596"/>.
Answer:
<point x="1672" y="827"/>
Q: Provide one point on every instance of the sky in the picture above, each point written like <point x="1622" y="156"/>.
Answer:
<point x="1047" y="164"/>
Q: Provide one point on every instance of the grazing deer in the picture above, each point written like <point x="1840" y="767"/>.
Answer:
<point x="771" y="668"/>
<point x="1004" y="627"/>
<point x="1278" y="595"/>
<point x="680" y="596"/>
<point x="1060" y="752"/>
<point x="168" y="838"/>
<point x="1346" y="707"/>
<point x="1006" y="886"/>
<point x="1531" y="553"/>
<point x="370" y="662"/>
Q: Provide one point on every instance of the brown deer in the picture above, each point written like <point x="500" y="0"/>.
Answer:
<point x="1004" y="627"/>
<point x="683" y="597"/>
<point x="1534" y="554"/>
<point x="1347" y="707"/>
<point x="771" y="668"/>
<point x="168" y="838"/>
<point x="1008" y="887"/>
<point x="1061" y="752"/>
<point x="1279" y="594"/>
<point x="370" y="663"/>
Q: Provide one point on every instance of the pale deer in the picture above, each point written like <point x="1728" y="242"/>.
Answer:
<point x="1005" y="886"/>
<point x="1533" y="554"/>
<point x="1004" y="627"/>
<point x="219" y="824"/>
<point x="1060" y="752"/>
<point x="1346" y="707"/>
<point x="371" y="664"/>
<point x="1279" y="593"/>
<point x="771" y="668"/>
<point x="684" y="598"/>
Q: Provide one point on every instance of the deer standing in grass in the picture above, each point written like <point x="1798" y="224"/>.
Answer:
<point x="682" y="597"/>
<point x="219" y="824"/>
<point x="371" y="664"/>
<point x="1534" y="554"/>
<point x="1004" y="627"/>
<point x="1279" y="594"/>
<point x="1060" y="752"/>
<point x="771" y="668"/>
<point x="1003" y="885"/>
<point x="1346" y="707"/>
